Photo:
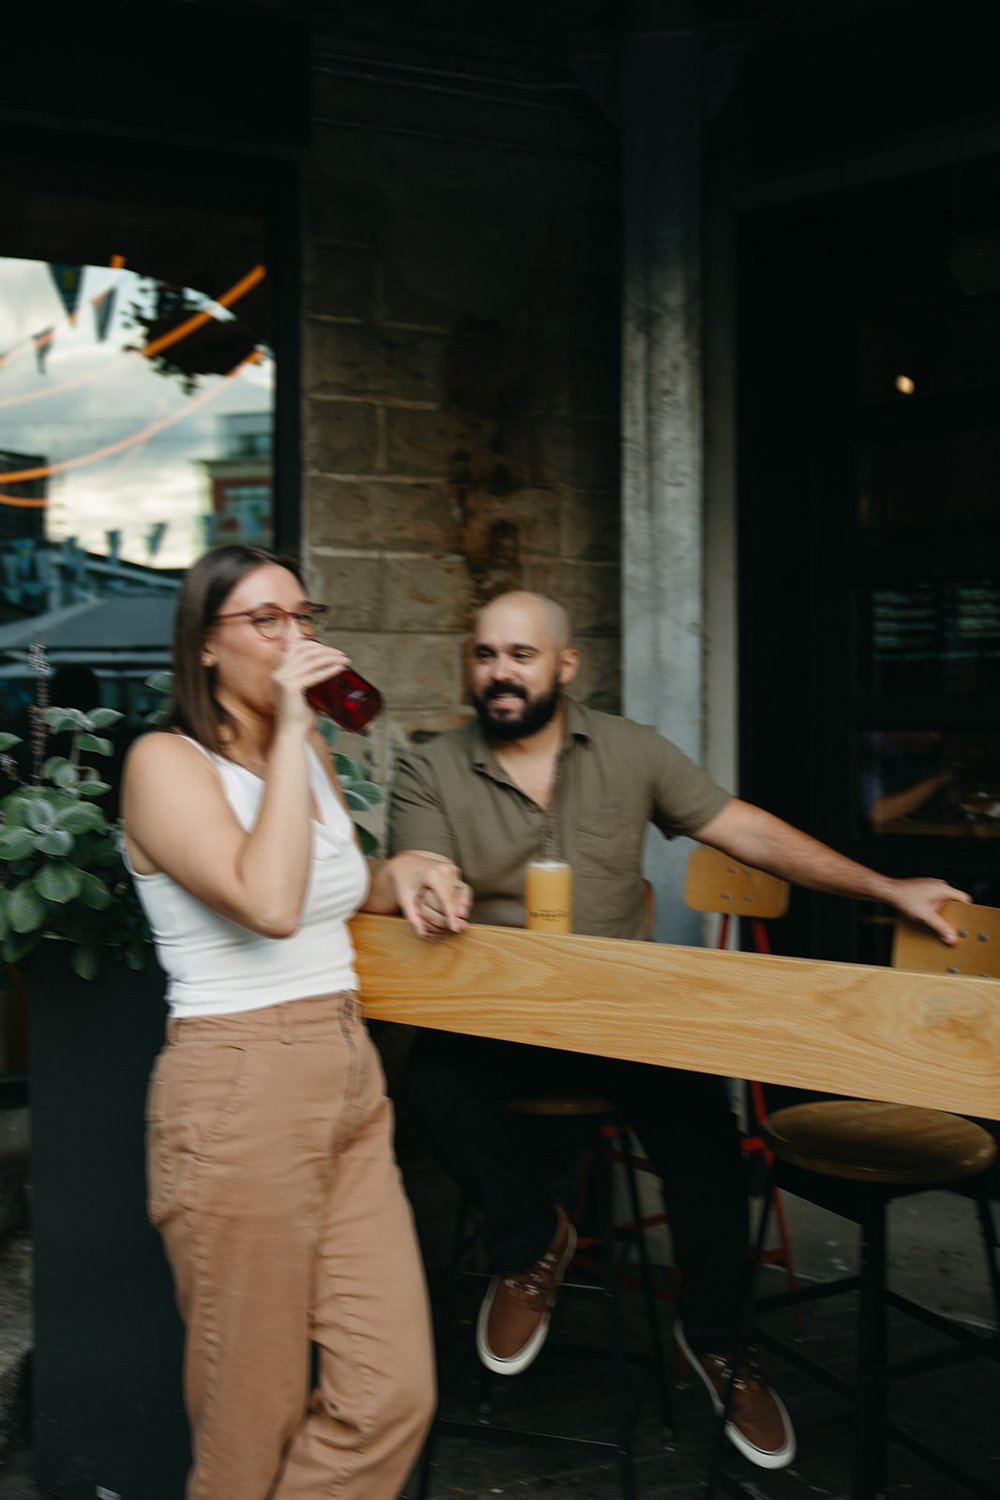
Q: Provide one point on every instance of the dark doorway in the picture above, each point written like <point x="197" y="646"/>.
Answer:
<point x="869" y="501"/>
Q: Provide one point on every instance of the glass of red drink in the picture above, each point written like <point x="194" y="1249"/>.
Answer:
<point x="347" y="699"/>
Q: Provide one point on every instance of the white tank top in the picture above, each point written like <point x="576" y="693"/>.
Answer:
<point x="216" y="967"/>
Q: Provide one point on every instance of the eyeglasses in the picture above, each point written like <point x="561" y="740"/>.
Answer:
<point x="270" y="620"/>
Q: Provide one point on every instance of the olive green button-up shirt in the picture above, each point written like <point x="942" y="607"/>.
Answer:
<point x="613" y="778"/>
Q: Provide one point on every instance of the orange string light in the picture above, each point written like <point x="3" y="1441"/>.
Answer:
<point x="198" y="320"/>
<point x="27" y="397"/>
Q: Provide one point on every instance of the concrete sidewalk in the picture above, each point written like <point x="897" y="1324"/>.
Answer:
<point x="936" y="1257"/>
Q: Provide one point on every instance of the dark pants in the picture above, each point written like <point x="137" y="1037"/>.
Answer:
<point x="458" y="1088"/>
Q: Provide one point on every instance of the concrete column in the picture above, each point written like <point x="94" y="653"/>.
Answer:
<point x="662" y="491"/>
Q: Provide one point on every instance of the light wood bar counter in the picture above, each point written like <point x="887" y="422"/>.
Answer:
<point x="875" y="1033"/>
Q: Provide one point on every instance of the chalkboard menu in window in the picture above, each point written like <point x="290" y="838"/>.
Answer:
<point x="935" y="635"/>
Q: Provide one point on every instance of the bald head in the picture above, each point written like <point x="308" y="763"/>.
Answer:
<point x="520" y="662"/>
<point x="543" y="615"/>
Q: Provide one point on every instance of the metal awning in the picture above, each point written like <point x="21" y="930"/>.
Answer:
<point x="121" y="633"/>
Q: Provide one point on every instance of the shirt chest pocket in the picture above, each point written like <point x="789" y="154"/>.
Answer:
<point x="609" y="843"/>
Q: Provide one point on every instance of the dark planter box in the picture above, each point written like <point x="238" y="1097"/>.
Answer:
<point x="108" y="1420"/>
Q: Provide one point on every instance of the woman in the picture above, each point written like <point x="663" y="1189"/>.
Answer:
<point x="271" y="1175"/>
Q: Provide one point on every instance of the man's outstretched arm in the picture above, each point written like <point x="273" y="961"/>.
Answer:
<point x="758" y="838"/>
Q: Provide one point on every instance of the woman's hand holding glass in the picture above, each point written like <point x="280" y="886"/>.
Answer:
<point x="303" y="664"/>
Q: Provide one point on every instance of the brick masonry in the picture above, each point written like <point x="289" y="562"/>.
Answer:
<point x="461" y="385"/>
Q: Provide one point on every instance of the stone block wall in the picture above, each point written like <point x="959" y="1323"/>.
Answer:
<point x="460" y="392"/>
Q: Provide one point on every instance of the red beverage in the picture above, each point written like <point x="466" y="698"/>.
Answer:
<point x="347" y="699"/>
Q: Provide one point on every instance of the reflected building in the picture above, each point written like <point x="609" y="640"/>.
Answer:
<point x="24" y="583"/>
<point x="22" y="520"/>
<point x="240" y="481"/>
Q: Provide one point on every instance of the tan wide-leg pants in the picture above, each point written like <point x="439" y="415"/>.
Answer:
<point x="273" y="1183"/>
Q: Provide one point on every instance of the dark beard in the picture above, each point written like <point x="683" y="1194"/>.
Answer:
<point x="537" y="713"/>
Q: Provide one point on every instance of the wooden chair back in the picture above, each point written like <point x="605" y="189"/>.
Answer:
<point x="977" y="951"/>
<point x="717" y="883"/>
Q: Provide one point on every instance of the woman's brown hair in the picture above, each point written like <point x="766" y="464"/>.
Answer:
<point x="196" y="711"/>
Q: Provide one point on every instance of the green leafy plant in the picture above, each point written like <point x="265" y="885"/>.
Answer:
<point x="359" y="792"/>
<point x="61" y="869"/>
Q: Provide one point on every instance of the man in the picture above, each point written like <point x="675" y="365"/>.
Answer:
<point x="537" y="771"/>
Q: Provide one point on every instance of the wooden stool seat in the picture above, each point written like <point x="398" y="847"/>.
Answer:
<point x="563" y="1106"/>
<point x="866" y="1141"/>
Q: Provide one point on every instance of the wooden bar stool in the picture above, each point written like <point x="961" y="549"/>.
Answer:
<point x="718" y="885"/>
<point x="657" y="1218"/>
<point x="603" y="1137"/>
<point x="977" y="954"/>
<point x="854" y="1156"/>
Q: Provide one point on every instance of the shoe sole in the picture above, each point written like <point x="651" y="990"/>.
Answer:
<point x="781" y="1457"/>
<point x="529" y="1352"/>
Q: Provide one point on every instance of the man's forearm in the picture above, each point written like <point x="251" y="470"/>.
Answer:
<point x="758" y="838"/>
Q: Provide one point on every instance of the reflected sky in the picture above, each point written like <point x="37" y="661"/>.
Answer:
<point x="97" y="395"/>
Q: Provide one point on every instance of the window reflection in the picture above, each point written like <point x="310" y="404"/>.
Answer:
<point x="127" y="406"/>
<point x="136" y="429"/>
<point x="933" y="635"/>
<point x="927" y="781"/>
